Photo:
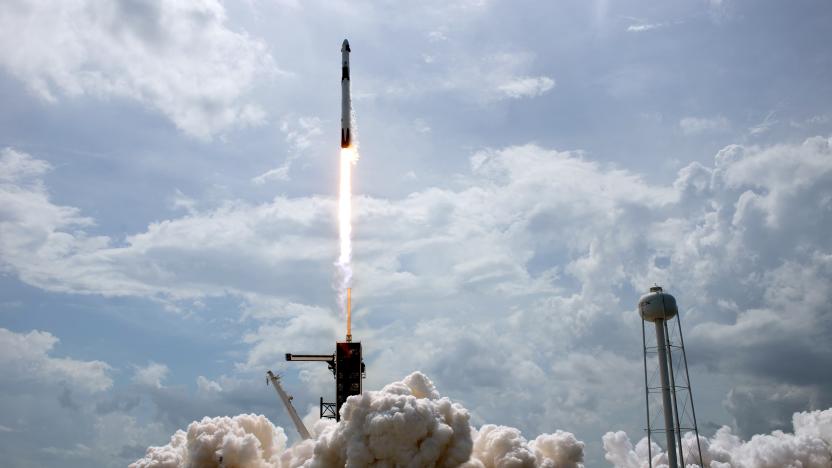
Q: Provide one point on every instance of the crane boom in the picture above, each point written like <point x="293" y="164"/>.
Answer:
<point x="287" y="401"/>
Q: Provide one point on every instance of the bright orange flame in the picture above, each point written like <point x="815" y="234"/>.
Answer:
<point x="349" y="314"/>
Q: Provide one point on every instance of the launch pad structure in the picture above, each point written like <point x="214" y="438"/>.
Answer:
<point x="347" y="366"/>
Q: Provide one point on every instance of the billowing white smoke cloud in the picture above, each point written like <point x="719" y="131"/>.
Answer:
<point x="246" y="440"/>
<point x="810" y="446"/>
<point x="501" y="446"/>
<point x="406" y="424"/>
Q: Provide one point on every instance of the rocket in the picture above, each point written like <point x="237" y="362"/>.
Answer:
<point x="346" y="101"/>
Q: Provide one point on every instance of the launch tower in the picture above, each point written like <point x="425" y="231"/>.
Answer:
<point x="346" y="364"/>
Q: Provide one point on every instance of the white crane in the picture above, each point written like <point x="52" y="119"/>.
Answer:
<point x="287" y="400"/>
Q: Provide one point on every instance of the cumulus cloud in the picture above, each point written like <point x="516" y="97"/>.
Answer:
<point x="407" y="423"/>
<point x="26" y="357"/>
<point x="20" y="167"/>
<point x="70" y="405"/>
<point x="151" y="375"/>
<point x="774" y="205"/>
<point x="206" y="385"/>
<point x="178" y="58"/>
<point x="810" y="446"/>
<point x="46" y="243"/>
<point x="307" y="327"/>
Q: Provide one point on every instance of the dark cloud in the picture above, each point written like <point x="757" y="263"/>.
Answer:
<point x="66" y="401"/>
<point x="766" y="408"/>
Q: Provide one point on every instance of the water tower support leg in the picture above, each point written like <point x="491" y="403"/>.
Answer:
<point x="667" y="405"/>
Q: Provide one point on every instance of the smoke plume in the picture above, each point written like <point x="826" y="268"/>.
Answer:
<point x="406" y="424"/>
<point x="810" y="446"/>
<point x="246" y="440"/>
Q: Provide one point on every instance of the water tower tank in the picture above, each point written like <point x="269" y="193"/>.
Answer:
<point x="657" y="305"/>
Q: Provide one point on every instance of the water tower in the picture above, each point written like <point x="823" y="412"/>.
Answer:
<point x="676" y="405"/>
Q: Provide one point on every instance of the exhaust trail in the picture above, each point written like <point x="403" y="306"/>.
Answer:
<point x="349" y="156"/>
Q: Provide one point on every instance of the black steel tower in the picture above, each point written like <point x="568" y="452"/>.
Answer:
<point x="347" y="365"/>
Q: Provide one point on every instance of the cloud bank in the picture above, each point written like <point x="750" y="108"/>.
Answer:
<point x="178" y="58"/>
<point x="27" y="357"/>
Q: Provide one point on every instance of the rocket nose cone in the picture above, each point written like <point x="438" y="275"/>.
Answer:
<point x="345" y="46"/>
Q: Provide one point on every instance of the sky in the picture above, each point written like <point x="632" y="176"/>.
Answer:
<point x="168" y="211"/>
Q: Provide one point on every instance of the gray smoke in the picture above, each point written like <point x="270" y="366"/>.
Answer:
<point x="406" y="424"/>
<point x="810" y="446"/>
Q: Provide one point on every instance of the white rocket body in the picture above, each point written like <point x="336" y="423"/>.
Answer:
<point x="346" y="101"/>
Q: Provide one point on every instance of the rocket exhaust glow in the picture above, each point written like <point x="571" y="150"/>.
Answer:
<point x="349" y="314"/>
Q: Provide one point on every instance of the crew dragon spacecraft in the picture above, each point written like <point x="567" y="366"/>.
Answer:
<point x="346" y="101"/>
